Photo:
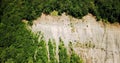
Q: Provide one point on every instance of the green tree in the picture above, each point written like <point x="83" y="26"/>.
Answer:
<point x="63" y="55"/>
<point x="52" y="51"/>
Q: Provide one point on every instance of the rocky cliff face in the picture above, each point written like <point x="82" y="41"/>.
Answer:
<point x="95" y="42"/>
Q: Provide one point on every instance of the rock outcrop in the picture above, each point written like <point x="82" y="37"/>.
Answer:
<point x="95" y="42"/>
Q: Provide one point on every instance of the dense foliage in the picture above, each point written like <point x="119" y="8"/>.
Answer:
<point x="18" y="45"/>
<point x="31" y="9"/>
<point x="52" y="51"/>
<point x="41" y="52"/>
<point x="108" y="9"/>
<point x="63" y="55"/>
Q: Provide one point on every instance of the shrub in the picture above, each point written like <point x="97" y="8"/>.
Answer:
<point x="54" y="13"/>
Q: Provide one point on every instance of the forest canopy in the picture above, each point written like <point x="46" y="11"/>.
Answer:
<point x="31" y="9"/>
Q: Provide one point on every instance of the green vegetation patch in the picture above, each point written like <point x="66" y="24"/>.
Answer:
<point x="54" y="13"/>
<point x="52" y="51"/>
<point x="13" y="11"/>
<point x="63" y="55"/>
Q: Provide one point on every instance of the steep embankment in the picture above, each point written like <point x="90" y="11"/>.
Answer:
<point x="95" y="42"/>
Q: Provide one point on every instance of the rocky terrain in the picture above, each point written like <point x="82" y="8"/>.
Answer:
<point x="95" y="42"/>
